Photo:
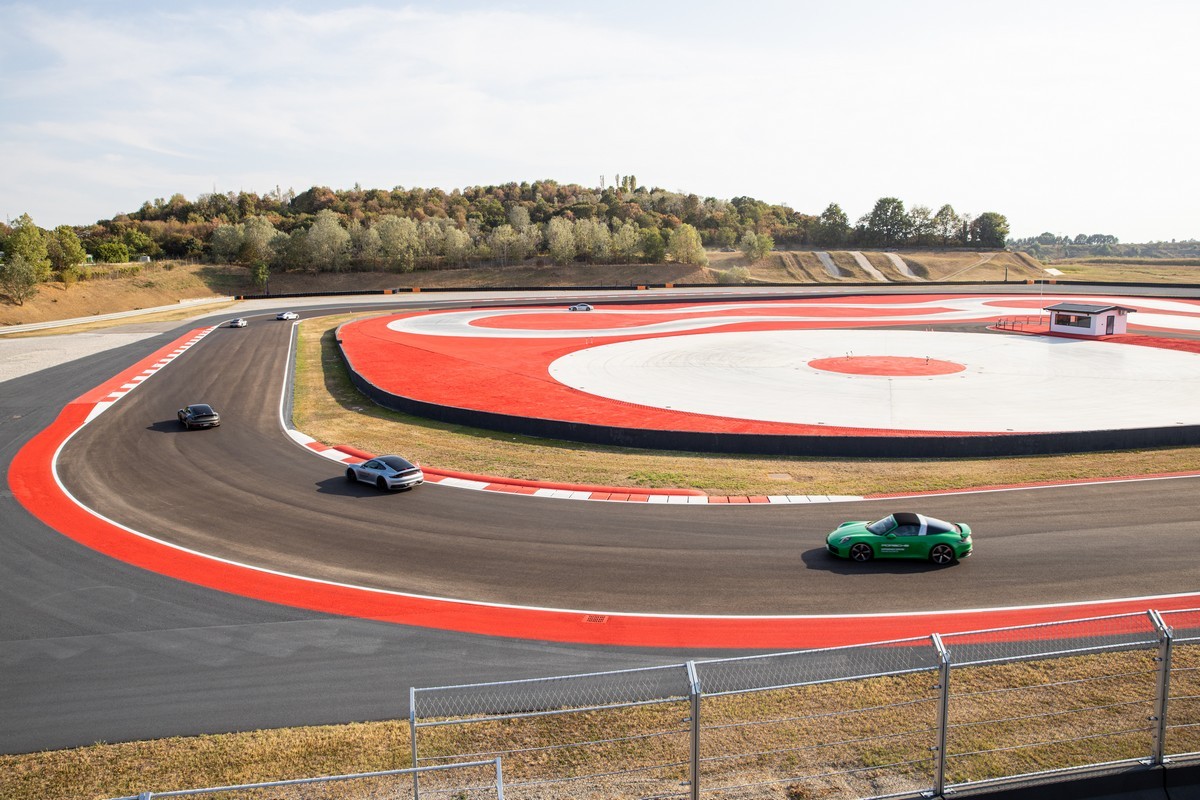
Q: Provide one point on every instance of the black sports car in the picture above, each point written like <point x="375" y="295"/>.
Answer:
<point x="199" y="415"/>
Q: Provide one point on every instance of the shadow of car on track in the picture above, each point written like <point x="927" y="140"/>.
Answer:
<point x="173" y="426"/>
<point x="819" y="558"/>
<point x="338" y="485"/>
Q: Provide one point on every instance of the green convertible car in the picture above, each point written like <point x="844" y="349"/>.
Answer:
<point x="901" y="535"/>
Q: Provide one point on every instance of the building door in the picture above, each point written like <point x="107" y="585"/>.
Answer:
<point x="1110" y="324"/>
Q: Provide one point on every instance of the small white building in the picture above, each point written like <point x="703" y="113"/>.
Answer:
<point x="1088" y="319"/>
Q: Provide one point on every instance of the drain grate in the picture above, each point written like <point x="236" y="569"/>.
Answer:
<point x="596" y="618"/>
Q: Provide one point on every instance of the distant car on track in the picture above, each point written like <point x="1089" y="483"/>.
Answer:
<point x="237" y="323"/>
<point x="199" y="415"/>
<point x="901" y="535"/>
<point x="580" y="307"/>
<point x="387" y="472"/>
<point x="287" y="315"/>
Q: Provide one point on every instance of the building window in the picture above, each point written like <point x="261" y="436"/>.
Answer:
<point x="1073" y="320"/>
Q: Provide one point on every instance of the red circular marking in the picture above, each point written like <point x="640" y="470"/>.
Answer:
<point x="888" y="366"/>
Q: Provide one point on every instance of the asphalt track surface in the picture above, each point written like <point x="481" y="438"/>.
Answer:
<point x="94" y="649"/>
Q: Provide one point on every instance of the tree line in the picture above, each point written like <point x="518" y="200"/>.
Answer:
<point x="322" y="229"/>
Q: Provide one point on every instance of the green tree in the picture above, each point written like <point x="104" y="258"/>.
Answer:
<point x="652" y="246"/>
<point x="225" y="243"/>
<point x="887" y="224"/>
<point x="945" y="224"/>
<point x="456" y="247"/>
<point x="922" y="230"/>
<point x="592" y="239"/>
<point x="327" y="243"/>
<point x="685" y="246"/>
<point x="18" y="278"/>
<point x="399" y="241"/>
<point x="624" y="244"/>
<point x="756" y="246"/>
<point x="833" y="226"/>
<point x="560" y="240"/>
<point x="29" y="241"/>
<point x="989" y="229"/>
<point x="507" y="244"/>
<point x="258" y="241"/>
<point x="260" y="273"/>
<point x="64" y="248"/>
<point x="112" y="252"/>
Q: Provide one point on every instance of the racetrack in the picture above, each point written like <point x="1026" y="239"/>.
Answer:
<point x="296" y="513"/>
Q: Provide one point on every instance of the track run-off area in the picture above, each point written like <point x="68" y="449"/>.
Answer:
<point x="243" y="510"/>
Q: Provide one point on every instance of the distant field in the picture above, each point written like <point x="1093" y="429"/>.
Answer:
<point x="1135" y="270"/>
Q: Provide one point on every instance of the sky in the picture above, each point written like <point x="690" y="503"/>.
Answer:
<point x="1065" y="116"/>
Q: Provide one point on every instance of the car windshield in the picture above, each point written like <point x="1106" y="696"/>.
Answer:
<point x="881" y="526"/>
<point x="397" y="463"/>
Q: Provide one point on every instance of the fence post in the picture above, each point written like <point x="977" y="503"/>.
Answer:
<point x="499" y="780"/>
<point x="1162" y="690"/>
<point x="412" y="735"/>
<point x="694" y="755"/>
<point x="943" y="686"/>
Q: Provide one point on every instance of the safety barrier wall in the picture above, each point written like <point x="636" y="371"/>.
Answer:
<point x="1116" y="697"/>
<point x="907" y="446"/>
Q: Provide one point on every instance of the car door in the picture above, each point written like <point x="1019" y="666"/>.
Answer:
<point x="370" y="470"/>
<point x="900" y="542"/>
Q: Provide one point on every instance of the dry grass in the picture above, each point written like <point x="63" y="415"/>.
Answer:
<point x="1140" y="271"/>
<point x="842" y="739"/>
<point x="329" y="408"/>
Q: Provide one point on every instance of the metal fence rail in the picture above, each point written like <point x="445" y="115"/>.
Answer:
<point x="387" y="783"/>
<point x="890" y="719"/>
<point x="904" y="718"/>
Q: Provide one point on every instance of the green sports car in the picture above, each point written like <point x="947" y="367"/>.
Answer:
<point x="901" y="535"/>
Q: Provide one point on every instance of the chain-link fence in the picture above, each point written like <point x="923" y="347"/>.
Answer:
<point x="902" y="718"/>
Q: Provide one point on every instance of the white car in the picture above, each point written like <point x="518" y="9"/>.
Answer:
<point x="580" y="307"/>
<point x="287" y="315"/>
<point x="237" y="323"/>
<point x="387" y="472"/>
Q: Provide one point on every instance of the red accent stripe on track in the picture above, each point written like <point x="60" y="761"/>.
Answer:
<point x="32" y="482"/>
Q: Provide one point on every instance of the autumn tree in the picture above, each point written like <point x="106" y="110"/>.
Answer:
<point x="685" y="247"/>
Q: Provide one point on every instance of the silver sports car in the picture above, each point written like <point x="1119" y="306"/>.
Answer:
<point x="387" y="472"/>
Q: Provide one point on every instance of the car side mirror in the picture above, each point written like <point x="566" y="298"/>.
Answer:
<point x="891" y="536"/>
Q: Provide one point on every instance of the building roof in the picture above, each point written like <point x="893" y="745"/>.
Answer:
<point x="1086" y="308"/>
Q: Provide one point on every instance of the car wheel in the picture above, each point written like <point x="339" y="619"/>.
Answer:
<point x="861" y="552"/>
<point x="184" y="423"/>
<point x="941" y="554"/>
<point x="381" y="483"/>
<point x="351" y="476"/>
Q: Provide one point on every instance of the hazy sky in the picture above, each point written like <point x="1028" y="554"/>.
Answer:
<point x="1072" y="117"/>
